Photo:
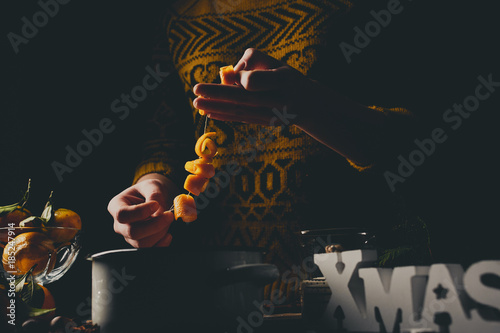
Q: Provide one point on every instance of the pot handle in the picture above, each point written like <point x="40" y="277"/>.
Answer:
<point x="259" y="274"/>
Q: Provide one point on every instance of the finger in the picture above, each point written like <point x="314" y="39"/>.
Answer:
<point x="237" y="94"/>
<point x="127" y="197"/>
<point x="133" y="213"/>
<point x="151" y="192"/>
<point x="255" y="59"/>
<point x="233" y="109"/>
<point x="239" y="119"/>
<point x="267" y="79"/>
<point x="145" y="229"/>
<point x="147" y="241"/>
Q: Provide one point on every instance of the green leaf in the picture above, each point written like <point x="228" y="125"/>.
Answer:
<point x="33" y="221"/>
<point x="390" y="255"/>
<point x="7" y="209"/>
<point x="28" y="291"/>
<point x="48" y="211"/>
<point x="21" y="280"/>
<point x="34" y="312"/>
<point x="4" y="210"/>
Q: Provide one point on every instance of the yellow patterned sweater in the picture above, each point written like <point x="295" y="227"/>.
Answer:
<point x="286" y="181"/>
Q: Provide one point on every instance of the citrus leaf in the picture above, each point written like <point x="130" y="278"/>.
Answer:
<point x="35" y="312"/>
<point x="28" y="291"/>
<point x="21" y="280"/>
<point x="8" y="209"/>
<point x="48" y="211"/>
<point x="4" y="210"/>
<point x="33" y="221"/>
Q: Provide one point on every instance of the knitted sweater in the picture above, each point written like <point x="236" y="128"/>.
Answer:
<point x="271" y="182"/>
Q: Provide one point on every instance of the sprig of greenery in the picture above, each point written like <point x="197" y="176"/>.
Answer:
<point x="4" y="210"/>
<point x="389" y="256"/>
<point x="411" y="243"/>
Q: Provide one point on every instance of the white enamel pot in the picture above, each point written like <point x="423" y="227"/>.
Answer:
<point x="168" y="290"/>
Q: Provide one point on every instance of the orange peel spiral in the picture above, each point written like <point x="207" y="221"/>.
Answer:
<point x="204" y="143"/>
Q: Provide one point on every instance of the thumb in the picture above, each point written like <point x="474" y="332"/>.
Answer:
<point x="267" y="79"/>
<point x="255" y="59"/>
<point x="134" y="213"/>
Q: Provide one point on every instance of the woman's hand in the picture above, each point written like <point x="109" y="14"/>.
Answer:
<point x="265" y="88"/>
<point x="141" y="213"/>
<point x="269" y="92"/>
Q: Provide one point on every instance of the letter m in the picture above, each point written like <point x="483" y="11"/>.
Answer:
<point x="394" y="297"/>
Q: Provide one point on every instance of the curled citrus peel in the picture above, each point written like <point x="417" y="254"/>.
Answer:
<point x="227" y="75"/>
<point x="185" y="208"/>
<point x="204" y="143"/>
<point x="195" y="184"/>
<point x="200" y="167"/>
<point x="201" y="171"/>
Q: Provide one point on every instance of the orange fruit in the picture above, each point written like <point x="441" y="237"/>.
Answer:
<point x="16" y="216"/>
<point x="13" y="217"/>
<point x="65" y="218"/>
<point x="43" y="299"/>
<point x="26" y="250"/>
<point x="47" y="300"/>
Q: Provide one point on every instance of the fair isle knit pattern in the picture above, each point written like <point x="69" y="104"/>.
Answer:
<point x="258" y="206"/>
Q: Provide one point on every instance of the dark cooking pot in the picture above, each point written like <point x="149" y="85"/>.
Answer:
<point x="168" y="290"/>
<point x="317" y="241"/>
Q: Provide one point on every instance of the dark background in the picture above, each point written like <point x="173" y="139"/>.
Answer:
<point x="65" y="78"/>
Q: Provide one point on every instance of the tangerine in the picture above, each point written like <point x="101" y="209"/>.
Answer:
<point x="64" y="218"/>
<point x="12" y="219"/>
<point x="26" y="250"/>
<point x="43" y="299"/>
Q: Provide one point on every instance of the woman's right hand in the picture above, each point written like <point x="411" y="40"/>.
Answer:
<point x="141" y="213"/>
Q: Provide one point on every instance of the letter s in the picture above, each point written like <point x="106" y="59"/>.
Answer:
<point x="476" y="289"/>
<point x="448" y="117"/>
<point x="125" y="110"/>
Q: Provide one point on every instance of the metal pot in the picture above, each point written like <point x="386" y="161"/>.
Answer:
<point x="335" y="240"/>
<point x="168" y="290"/>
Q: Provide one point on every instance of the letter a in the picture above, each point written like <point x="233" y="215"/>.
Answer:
<point x="15" y="40"/>
<point x="348" y="50"/>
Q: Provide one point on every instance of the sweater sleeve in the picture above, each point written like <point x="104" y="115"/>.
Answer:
<point x="168" y="129"/>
